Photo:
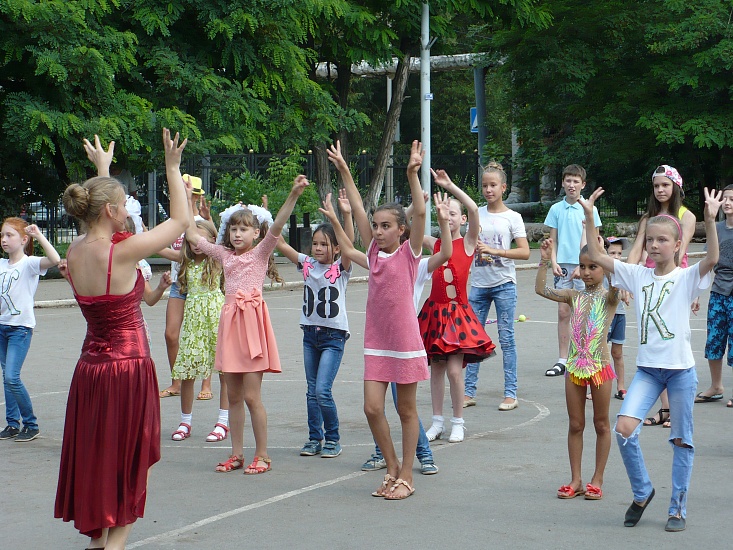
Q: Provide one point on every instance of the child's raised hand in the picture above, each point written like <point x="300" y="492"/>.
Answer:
<point x="335" y="156"/>
<point x="328" y="210"/>
<point x="344" y="204"/>
<point x="64" y="269"/>
<point x="32" y="231"/>
<point x="441" y="178"/>
<point x="425" y="196"/>
<point x="442" y="206"/>
<point x="189" y="190"/>
<point x="713" y="200"/>
<point x="165" y="280"/>
<point x="416" y="155"/>
<point x="546" y="249"/>
<point x="97" y="154"/>
<point x="588" y="203"/>
<point x="299" y="184"/>
<point x="173" y="150"/>
<point x="204" y="207"/>
<point x="264" y="201"/>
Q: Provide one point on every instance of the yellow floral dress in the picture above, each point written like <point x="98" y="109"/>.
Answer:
<point x="200" y="327"/>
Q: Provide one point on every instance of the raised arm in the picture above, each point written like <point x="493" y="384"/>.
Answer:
<point x="428" y="241"/>
<point x="345" y="207"/>
<point x="347" y="247"/>
<point x="469" y="241"/>
<point x="713" y="200"/>
<point x="100" y="158"/>
<point x="637" y="249"/>
<point x="595" y="249"/>
<point x="51" y="257"/>
<point x="357" y="205"/>
<point x="286" y="250"/>
<point x="148" y="243"/>
<point x="153" y="295"/>
<point x="540" y="282"/>
<point x="299" y="184"/>
<point x="442" y="209"/>
<point x="418" y="211"/>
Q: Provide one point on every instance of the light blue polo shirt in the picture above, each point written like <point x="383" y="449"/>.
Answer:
<point x="568" y="220"/>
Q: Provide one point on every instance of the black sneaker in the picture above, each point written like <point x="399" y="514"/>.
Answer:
<point x="9" y="432"/>
<point x="27" y="434"/>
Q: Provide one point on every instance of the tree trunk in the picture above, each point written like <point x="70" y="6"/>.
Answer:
<point x="399" y="86"/>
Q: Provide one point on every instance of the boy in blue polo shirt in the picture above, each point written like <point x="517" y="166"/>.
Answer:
<point x="565" y="220"/>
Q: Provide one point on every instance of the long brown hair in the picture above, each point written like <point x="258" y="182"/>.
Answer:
<point x="211" y="277"/>
<point x="19" y="224"/>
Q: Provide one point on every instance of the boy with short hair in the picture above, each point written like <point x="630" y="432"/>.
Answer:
<point x="617" y="330"/>
<point x="565" y="220"/>
<point x="720" y="306"/>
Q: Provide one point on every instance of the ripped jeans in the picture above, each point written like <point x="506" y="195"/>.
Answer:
<point x="643" y="392"/>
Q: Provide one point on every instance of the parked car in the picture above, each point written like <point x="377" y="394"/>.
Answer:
<point x="40" y="214"/>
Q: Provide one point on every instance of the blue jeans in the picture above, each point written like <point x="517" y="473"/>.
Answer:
<point x="14" y="344"/>
<point x="423" y="451"/>
<point x="505" y="298"/>
<point x="643" y="392"/>
<point x="323" y="349"/>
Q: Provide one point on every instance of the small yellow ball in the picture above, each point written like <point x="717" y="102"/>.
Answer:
<point x="522" y="318"/>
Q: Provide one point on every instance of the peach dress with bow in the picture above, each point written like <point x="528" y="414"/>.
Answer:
<point x="246" y="341"/>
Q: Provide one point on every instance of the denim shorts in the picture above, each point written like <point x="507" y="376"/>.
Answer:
<point x="176" y="292"/>
<point x="566" y="281"/>
<point x="720" y="327"/>
<point x="617" y="330"/>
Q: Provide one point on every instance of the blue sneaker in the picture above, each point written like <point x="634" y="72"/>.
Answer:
<point x="428" y="467"/>
<point x="331" y="449"/>
<point x="311" y="448"/>
<point x="374" y="463"/>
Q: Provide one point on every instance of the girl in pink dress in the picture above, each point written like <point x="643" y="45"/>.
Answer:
<point x="393" y="349"/>
<point x="246" y="346"/>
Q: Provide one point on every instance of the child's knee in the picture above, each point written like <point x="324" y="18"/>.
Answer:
<point x="626" y="426"/>
<point x="602" y="426"/>
<point x="576" y="425"/>
<point x="373" y="411"/>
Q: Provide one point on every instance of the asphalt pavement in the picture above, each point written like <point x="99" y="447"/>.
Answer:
<point x="497" y="489"/>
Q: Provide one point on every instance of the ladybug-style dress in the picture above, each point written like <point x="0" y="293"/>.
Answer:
<point x="449" y="325"/>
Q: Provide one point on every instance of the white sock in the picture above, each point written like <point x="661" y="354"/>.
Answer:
<point x="186" y="419"/>
<point x="223" y="417"/>
<point x="438" y="421"/>
<point x="563" y="361"/>
<point x="455" y="421"/>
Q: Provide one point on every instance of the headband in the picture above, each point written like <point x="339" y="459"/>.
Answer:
<point x="679" y="227"/>
<point x="669" y="172"/>
<point x="134" y="210"/>
<point x="262" y="214"/>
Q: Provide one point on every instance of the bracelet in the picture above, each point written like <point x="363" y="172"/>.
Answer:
<point x="545" y="263"/>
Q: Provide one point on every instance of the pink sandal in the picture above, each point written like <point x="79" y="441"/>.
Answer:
<point x="179" y="434"/>
<point x="215" y="436"/>
<point x="593" y="493"/>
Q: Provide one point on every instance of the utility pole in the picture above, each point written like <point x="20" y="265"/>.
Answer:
<point x="425" y="98"/>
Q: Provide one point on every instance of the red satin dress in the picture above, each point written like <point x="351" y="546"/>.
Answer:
<point x="112" y="428"/>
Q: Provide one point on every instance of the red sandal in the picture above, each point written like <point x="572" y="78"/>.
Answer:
<point x="259" y="469"/>
<point x="593" y="493"/>
<point x="232" y="463"/>
<point x="179" y="434"/>
<point x="215" y="436"/>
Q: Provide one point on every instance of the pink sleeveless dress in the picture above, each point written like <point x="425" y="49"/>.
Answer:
<point x="393" y="349"/>
<point x="112" y="427"/>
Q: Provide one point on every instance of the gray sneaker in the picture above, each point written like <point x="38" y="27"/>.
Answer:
<point x="9" y="432"/>
<point x="27" y="434"/>
<point x="311" y="448"/>
<point x="374" y="463"/>
<point x="428" y="467"/>
<point x="331" y="449"/>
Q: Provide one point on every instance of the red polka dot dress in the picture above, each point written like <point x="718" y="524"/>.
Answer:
<point x="447" y="322"/>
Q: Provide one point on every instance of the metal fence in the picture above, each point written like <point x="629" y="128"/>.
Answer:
<point x="463" y="168"/>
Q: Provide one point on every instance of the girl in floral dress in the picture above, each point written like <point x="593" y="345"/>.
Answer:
<point x="200" y="277"/>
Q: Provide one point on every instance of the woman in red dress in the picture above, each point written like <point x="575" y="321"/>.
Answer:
<point x="112" y="427"/>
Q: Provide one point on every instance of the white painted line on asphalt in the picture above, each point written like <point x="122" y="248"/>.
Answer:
<point x="544" y="412"/>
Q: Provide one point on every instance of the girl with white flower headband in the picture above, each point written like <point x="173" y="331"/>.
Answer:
<point x="246" y="346"/>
